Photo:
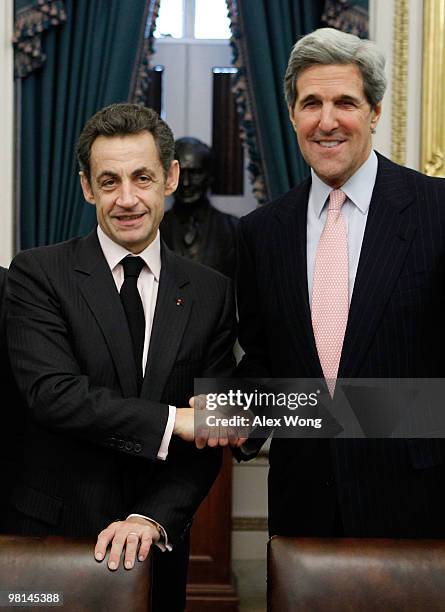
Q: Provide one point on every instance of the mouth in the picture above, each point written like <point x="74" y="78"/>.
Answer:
<point x="329" y="144"/>
<point x="128" y="220"/>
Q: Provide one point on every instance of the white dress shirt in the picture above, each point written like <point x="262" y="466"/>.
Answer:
<point x="358" y="190"/>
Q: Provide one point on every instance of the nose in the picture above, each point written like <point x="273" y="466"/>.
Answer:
<point x="127" y="195"/>
<point x="328" y="118"/>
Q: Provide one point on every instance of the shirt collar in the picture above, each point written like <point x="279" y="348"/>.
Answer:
<point x="114" y="252"/>
<point x="358" y="187"/>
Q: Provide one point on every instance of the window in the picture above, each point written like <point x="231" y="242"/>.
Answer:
<point x="202" y="19"/>
<point x="211" y="19"/>
<point x="170" y="19"/>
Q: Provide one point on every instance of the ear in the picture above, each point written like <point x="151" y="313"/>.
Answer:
<point x="375" y="115"/>
<point x="86" y="188"/>
<point x="172" y="179"/>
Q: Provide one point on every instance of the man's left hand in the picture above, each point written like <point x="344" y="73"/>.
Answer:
<point x="131" y="534"/>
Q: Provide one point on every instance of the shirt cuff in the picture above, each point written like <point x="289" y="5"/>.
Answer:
<point x="163" y="449"/>
<point x="163" y="542"/>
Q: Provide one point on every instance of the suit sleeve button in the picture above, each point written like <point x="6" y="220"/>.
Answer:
<point x="129" y="445"/>
<point x="137" y="447"/>
<point x="120" y="443"/>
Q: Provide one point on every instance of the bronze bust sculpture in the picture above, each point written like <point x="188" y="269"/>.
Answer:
<point x="193" y="227"/>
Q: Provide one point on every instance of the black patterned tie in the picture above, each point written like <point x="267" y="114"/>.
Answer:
<point x="132" y="303"/>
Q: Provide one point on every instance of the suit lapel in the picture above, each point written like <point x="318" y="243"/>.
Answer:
<point x="292" y="281"/>
<point x="99" y="290"/>
<point x="388" y="236"/>
<point x="173" y="307"/>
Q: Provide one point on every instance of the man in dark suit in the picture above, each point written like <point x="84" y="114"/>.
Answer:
<point x="373" y="310"/>
<point x="106" y="334"/>
<point x="12" y="414"/>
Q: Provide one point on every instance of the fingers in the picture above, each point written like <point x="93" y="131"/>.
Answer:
<point x="198" y="402"/>
<point x="217" y="433"/>
<point x="232" y="437"/>
<point x="103" y="539"/>
<point x="117" y="546"/>
<point x="201" y="436"/>
<point x="131" y="548"/>
<point x="242" y="434"/>
<point x="129" y="536"/>
<point x="221" y="436"/>
<point x="241" y="441"/>
<point x="144" y="548"/>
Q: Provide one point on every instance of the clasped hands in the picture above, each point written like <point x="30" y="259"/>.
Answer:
<point x="192" y="425"/>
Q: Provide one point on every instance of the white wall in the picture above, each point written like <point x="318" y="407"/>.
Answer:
<point x="381" y="22"/>
<point x="187" y="99"/>
<point x="6" y="133"/>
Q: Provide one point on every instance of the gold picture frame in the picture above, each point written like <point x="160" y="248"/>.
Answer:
<point x="433" y="89"/>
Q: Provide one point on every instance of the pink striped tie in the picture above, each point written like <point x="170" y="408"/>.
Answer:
<point x="330" y="297"/>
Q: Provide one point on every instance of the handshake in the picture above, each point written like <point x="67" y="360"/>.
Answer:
<point x="220" y="426"/>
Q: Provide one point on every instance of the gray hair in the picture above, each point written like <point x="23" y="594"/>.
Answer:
<point x="328" y="46"/>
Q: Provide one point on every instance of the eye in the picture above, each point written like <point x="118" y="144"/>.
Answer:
<point x="108" y="183"/>
<point x="347" y="104"/>
<point x="143" y="179"/>
<point x="310" y="104"/>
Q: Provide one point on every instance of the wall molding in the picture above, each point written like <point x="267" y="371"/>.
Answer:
<point x="399" y="101"/>
<point x="249" y="523"/>
<point x="433" y="89"/>
<point x="7" y="132"/>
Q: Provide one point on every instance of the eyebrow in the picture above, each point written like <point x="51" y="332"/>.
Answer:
<point x="111" y="174"/>
<point x="106" y="173"/>
<point x="341" y="98"/>
<point x="348" y="98"/>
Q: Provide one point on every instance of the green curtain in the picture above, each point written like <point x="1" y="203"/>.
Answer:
<point x="263" y="35"/>
<point x="89" y="61"/>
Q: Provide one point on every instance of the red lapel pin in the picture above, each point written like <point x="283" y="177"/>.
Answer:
<point x="179" y="302"/>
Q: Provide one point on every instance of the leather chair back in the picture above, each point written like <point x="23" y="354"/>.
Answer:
<point x="341" y="575"/>
<point x="67" y="565"/>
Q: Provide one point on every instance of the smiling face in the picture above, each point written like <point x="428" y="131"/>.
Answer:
<point x="333" y="120"/>
<point x="128" y="187"/>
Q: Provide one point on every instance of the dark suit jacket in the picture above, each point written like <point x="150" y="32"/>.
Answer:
<point x="395" y="329"/>
<point x="91" y="446"/>
<point x="12" y="417"/>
